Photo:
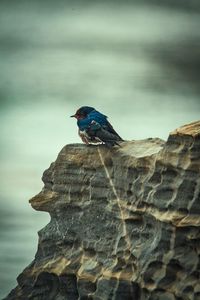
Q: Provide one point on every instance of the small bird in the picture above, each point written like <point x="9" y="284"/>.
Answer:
<point x="94" y="127"/>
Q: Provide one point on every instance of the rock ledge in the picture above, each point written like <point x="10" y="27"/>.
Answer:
<point x="124" y="223"/>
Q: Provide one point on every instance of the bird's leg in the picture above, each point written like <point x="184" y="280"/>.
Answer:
<point x="84" y="137"/>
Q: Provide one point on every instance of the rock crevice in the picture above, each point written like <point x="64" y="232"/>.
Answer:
<point x="124" y="222"/>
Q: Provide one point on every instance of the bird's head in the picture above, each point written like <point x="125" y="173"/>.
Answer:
<point x="82" y="112"/>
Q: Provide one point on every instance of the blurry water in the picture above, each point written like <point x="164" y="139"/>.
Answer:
<point x="139" y="64"/>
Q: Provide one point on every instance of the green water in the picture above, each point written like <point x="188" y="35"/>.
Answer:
<point x="137" y="63"/>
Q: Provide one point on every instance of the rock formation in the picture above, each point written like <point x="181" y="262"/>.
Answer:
<point x="124" y="223"/>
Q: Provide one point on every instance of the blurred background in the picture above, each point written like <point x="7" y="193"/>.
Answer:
<point x="136" y="61"/>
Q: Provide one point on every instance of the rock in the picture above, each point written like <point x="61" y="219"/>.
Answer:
<point x="124" y="222"/>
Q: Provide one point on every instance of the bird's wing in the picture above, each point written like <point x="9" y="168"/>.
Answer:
<point x="99" y="132"/>
<point x="102" y="120"/>
<point x="109" y="128"/>
<point x="107" y="137"/>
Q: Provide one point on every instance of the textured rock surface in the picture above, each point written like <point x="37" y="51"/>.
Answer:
<point x="124" y="222"/>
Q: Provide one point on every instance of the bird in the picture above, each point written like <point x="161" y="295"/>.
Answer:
<point x="94" y="128"/>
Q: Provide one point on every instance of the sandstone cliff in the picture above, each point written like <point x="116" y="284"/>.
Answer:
<point x="124" y="223"/>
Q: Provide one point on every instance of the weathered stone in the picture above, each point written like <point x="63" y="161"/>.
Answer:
<point x="124" y="223"/>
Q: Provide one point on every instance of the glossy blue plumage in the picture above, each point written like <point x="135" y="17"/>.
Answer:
<point x="94" y="115"/>
<point x="95" y="128"/>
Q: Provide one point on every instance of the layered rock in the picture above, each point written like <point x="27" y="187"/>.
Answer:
<point x="124" y="222"/>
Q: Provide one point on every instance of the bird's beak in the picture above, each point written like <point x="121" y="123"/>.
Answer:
<point x="73" y="116"/>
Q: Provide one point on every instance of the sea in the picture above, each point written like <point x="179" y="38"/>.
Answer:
<point x="136" y="61"/>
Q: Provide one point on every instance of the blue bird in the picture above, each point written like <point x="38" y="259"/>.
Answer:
<point x="94" y="127"/>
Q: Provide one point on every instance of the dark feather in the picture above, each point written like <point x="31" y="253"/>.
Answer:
<point x="105" y="136"/>
<point x="109" y="128"/>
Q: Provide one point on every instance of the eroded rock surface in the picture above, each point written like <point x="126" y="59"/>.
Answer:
<point x="124" y="223"/>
